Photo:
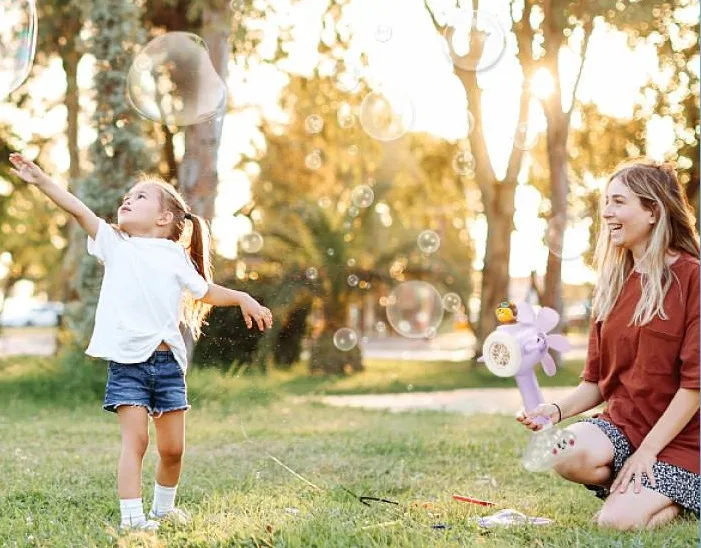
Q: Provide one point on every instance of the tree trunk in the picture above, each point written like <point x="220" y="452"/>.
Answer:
<point x="118" y="153"/>
<point x="70" y="57"/>
<point x="197" y="175"/>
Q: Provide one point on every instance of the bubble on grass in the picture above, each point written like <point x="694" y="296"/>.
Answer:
<point x="312" y="273"/>
<point x="353" y="280"/>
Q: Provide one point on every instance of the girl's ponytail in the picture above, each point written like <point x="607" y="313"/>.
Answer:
<point x="200" y="247"/>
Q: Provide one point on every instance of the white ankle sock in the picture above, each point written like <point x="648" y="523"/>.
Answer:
<point x="163" y="499"/>
<point x="132" y="511"/>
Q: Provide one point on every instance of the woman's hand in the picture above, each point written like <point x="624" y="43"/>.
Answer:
<point x="253" y="310"/>
<point x="543" y="410"/>
<point x="638" y="463"/>
<point x="26" y="170"/>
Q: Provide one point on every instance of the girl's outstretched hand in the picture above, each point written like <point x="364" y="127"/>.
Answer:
<point x="253" y="311"/>
<point x="26" y="170"/>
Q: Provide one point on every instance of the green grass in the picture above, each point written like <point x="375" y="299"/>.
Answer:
<point x="58" y="453"/>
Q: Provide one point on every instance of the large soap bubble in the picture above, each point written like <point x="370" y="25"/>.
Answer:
<point x="172" y="81"/>
<point x="18" y="39"/>
<point x="415" y="309"/>
<point x="476" y="39"/>
<point x="385" y="117"/>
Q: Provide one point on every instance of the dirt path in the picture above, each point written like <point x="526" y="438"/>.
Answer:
<point x="468" y="401"/>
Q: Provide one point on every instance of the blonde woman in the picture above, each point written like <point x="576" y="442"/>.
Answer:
<point x="641" y="455"/>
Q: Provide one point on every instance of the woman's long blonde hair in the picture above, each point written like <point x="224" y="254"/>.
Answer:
<point x="192" y="312"/>
<point x="659" y="190"/>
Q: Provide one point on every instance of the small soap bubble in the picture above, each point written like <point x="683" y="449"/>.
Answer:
<point x="386" y="118"/>
<point x="383" y="33"/>
<point x="251" y="242"/>
<point x="414" y="309"/>
<point x="476" y="39"/>
<point x="452" y="302"/>
<point x="313" y="160"/>
<point x="524" y="138"/>
<point x="362" y="196"/>
<point x="345" y="339"/>
<point x="313" y="124"/>
<point x="428" y="241"/>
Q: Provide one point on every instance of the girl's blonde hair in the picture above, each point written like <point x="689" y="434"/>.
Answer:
<point x="192" y="312"/>
<point x="659" y="191"/>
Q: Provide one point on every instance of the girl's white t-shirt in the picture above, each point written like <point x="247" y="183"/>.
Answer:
<point x="142" y="289"/>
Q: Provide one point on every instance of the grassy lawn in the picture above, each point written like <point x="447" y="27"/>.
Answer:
<point x="58" y="454"/>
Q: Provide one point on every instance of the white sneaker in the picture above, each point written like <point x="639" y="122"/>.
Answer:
<point x="145" y="525"/>
<point x="177" y="516"/>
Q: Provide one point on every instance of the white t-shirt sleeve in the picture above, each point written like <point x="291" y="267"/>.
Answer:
<point x="104" y="243"/>
<point x="191" y="279"/>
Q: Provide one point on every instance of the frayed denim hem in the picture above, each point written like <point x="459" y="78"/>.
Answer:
<point x="112" y="407"/>
<point x="160" y="413"/>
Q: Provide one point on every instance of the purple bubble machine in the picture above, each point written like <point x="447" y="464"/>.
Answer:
<point x="514" y="349"/>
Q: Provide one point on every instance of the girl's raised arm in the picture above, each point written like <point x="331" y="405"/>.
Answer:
<point x="32" y="174"/>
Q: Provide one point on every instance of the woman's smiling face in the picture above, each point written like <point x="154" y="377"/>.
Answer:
<point x="628" y="221"/>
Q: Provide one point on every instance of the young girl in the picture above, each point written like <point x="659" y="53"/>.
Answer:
<point x="150" y="285"/>
<point x="641" y="455"/>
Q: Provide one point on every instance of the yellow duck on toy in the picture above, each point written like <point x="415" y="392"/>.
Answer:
<point x="506" y="312"/>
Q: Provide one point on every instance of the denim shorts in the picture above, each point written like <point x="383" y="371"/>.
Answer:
<point x="158" y="384"/>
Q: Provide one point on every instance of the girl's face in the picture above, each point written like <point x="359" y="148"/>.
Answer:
<point x="628" y="222"/>
<point x="140" y="213"/>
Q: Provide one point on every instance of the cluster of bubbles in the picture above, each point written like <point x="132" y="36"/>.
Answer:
<point x="345" y="339"/>
<point x="415" y="309"/>
<point x="545" y="447"/>
<point x="172" y="81"/>
<point x="251" y="242"/>
<point x="18" y="38"/>
<point x="428" y="241"/>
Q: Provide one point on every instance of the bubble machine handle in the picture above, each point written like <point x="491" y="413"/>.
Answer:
<point x="531" y="395"/>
